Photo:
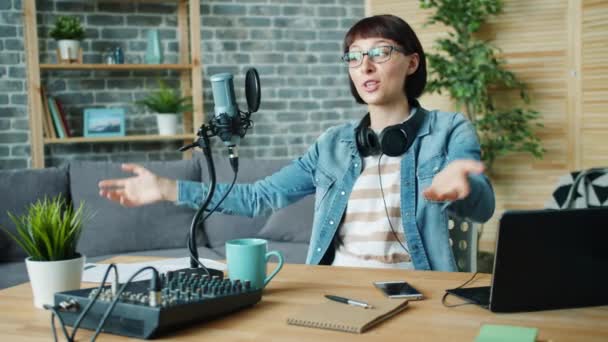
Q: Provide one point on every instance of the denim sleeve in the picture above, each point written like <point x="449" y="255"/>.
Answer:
<point x="479" y="205"/>
<point x="276" y="191"/>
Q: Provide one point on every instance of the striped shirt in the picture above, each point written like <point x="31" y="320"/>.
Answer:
<point x="365" y="234"/>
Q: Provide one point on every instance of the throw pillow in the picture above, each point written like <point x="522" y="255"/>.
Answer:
<point x="116" y="229"/>
<point x="292" y="223"/>
<point x="22" y="188"/>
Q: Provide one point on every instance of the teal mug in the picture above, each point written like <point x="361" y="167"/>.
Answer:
<point x="247" y="260"/>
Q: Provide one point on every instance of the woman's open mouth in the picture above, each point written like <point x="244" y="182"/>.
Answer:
<point x="371" y="85"/>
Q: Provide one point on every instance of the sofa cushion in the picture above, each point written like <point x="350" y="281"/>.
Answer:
<point x="23" y="188"/>
<point x="293" y="252"/>
<point x="116" y="229"/>
<point x="292" y="223"/>
<point x="220" y="228"/>
<point x="203" y="252"/>
<point x="13" y="273"/>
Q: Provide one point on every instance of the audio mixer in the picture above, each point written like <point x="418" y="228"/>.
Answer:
<point x="185" y="298"/>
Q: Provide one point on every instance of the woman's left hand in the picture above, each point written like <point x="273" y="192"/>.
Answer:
<point x="452" y="182"/>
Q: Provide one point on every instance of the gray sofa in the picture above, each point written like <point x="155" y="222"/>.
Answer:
<point x="156" y="230"/>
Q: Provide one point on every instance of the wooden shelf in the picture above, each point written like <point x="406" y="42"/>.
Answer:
<point x="151" y="1"/>
<point x="187" y="66"/>
<point x="115" y="67"/>
<point x="127" y="138"/>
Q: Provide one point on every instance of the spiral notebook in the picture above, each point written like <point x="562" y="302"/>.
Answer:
<point x="343" y="317"/>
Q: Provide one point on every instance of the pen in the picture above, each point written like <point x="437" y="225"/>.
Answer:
<point x="349" y="301"/>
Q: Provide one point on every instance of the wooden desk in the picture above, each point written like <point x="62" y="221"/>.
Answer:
<point x="299" y="285"/>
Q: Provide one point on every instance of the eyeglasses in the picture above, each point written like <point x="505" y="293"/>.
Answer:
<point x="378" y="54"/>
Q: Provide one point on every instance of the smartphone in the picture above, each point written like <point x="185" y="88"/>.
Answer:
<point x="398" y="289"/>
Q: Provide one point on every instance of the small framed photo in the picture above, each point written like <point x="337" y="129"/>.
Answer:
<point x="104" y="122"/>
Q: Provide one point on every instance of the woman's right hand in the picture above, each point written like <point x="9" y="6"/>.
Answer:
<point x="143" y="188"/>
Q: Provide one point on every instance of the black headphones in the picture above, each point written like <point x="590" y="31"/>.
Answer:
<point x="393" y="141"/>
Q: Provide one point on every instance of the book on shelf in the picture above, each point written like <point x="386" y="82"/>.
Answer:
<point x="55" y="116"/>
<point x="55" y="123"/>
<point x="63" y="116"/>
<point x="47" y="123"/>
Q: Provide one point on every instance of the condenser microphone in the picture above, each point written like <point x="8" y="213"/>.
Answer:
<point x="229" y="123"/>
<point x="226" y="112"/>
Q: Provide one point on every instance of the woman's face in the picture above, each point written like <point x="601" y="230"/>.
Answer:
<point x="381" y="83"/>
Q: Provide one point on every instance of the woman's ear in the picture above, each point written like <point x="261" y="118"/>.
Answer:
<point x="414" y="61"/>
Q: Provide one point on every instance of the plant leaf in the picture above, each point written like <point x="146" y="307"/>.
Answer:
<point x="49" y="229"/>
<point x="468" y="69"/>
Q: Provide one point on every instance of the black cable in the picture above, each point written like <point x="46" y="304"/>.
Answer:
<point x="209" y="214"/>
<point x="445" y="295"/>
<point x="245" y="123"/>
<point x="468" y="281"/>
<point x="99" y="289"/>
<point x="70" y="337"/>
<point x="117" y="297"/>
<point x="223" y="197"/>
<point x="386" y="209"/>
<point x="53" y="326"/>
<point x="53" y="314"/>
<point x="192" y="257"/>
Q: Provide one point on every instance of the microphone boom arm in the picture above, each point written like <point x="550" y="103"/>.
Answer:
<point x="204" y="133"/>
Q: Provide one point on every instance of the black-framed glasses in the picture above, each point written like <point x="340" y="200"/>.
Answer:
<point x="378" y="54"/>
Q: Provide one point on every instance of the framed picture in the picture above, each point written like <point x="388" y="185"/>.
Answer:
<point x="104" y="122"/>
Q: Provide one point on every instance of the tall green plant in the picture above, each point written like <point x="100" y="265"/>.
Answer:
<point x="49" y="230"/>
<point x="470" y="71"/>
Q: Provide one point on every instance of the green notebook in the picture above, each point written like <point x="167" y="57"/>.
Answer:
<point x="506" y="333"/>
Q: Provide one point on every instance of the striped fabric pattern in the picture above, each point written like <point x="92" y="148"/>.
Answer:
<point x="365" y="233"/>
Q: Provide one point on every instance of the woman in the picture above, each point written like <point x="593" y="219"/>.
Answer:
<point x="371" y="209"/>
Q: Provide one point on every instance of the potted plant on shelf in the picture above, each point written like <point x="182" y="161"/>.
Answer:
<point x="167" y="104"/>
<point x="48" y="232"/>
<point x="68" y="33"/>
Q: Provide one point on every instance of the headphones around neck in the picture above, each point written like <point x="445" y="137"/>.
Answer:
<point x="393" y="141"/>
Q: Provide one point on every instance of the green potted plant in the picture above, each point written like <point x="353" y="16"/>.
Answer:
<point x="167" y="104"/>
<point x="471" y="71"/>
<point x="48" y="232"/>
<point x="68" y="33"/>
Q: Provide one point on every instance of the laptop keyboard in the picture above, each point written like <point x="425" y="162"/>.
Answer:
<point x="476" y="295"/>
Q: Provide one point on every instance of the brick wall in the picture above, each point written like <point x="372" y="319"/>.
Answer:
<point x="294" y="44"/>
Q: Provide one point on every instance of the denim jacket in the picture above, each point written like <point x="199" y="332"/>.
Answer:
<point x="330" y="168"/>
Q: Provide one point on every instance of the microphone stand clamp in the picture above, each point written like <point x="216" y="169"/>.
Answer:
<point x="204" y="133"/>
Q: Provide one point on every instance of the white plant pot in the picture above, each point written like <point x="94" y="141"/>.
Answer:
<point x="167" y="123"/>
<point x="48" y="277"/>
<point x="68" y="49"/>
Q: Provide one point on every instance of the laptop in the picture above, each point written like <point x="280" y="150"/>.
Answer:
<point x="547" y="259"/>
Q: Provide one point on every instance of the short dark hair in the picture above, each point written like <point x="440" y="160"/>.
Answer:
<point x="391" y="27"/>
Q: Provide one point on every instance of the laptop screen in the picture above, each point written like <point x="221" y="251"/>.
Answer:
<point x="550" y="259"/>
